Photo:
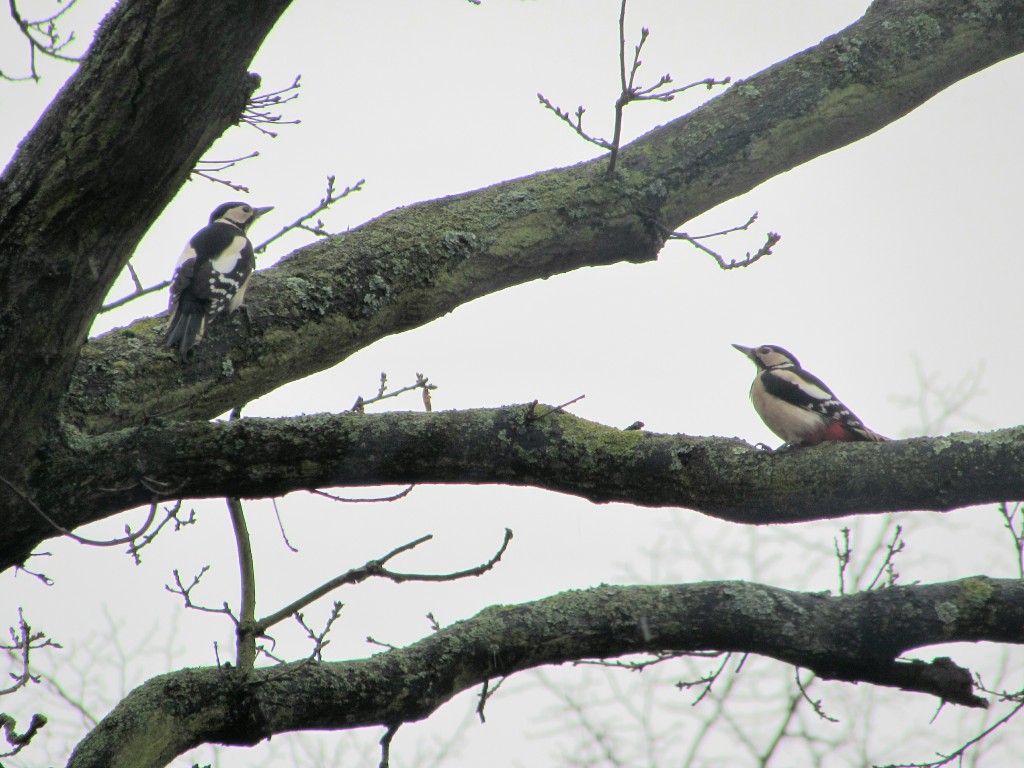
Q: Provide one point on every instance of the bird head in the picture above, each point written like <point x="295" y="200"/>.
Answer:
<point x="239" y="214"/>
<point x="769" y="356"/>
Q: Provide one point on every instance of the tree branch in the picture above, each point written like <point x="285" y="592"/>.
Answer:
<point x="838" y="640"/>
<point x="725" y="478"/>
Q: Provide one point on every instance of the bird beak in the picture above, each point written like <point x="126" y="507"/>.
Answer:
<point x="748" y="351"/>
<point x="260" y="211"/>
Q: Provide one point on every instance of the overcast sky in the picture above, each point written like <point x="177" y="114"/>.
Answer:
<point x="899" y="258"/>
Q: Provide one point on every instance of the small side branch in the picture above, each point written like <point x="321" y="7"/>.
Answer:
<point x="695" y="240"/>
<point x="205" y="169"/>
<point x="375" y="568"/>
<point x="330" y="198"/>
<point x="23" y="642"/>
<point x="421" y="383"/>
<point x="43" y="38"/>
<point x="18" y="741"/>
<point x="629" y="92"/>
<point x="258" y="112"/>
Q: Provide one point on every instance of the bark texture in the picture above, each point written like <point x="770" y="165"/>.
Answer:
<point x="520" y="445"/>
<point x="852" y="638"/>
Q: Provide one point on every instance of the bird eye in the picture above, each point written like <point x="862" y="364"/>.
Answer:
<point x="764" y="350"/>
<point x="247" y="209"/>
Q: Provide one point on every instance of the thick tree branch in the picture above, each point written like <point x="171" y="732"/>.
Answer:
<point x="837" y="637"/>
<point x="726" y="478"/>
<point x="415" y="264"/>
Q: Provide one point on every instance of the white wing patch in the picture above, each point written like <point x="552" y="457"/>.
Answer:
<point x="228" y="260"/>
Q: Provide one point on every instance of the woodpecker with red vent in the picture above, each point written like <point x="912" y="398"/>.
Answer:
<point x="796" y="405"/>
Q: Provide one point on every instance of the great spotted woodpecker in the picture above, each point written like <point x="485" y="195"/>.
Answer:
<point x="796" y="405"/>
<point x="212" y="274"/>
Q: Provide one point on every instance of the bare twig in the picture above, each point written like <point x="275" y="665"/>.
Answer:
<point x="382" y="394"/>
<point x="629" y="92"/>
<point x="170" y="514"/>
<point x="19" y="741"/>
<point x="532" y="416"/>
<point x="815" y="703"/>
<point x="843" y="558"/>
<point x="43" y="38"/>
<point x="888" y="565"/>
<point x="186" y="594"/>
<point x="257" y="110"/>
<point x="400" y="495"/>
<point x="319" y="639"/>
<point x="138" y="293"/>
<point x="695" y="240"/>
<point x="280" y="525"/>
<point x="958" y="754"/>
<point x="329" y="199"/>
<point x="245" y="630"/>
<point x="708" y="680"/>
<point x="1013" y="520"/>
<point x="129" y="538"/>
<point x="24" y="641"/>
<point x="385" y="744"/>
<point x="485" y="694"/>
<point x="375" y="568"/>
<point x="216" y="166"/>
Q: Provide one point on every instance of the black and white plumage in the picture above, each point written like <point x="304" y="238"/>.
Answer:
<point x="212" y="274"/>
<point x="796" y="405"/>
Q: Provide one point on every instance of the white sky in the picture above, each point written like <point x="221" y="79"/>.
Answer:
<point x="898" y="253"/>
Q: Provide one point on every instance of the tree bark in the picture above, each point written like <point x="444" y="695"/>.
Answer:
<point x="853" y="638"/>
<point x="726" y="478"/>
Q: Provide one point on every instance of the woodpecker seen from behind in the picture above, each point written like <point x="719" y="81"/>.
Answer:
<point x="796" y="405"/>
<point x="212" y="274"/>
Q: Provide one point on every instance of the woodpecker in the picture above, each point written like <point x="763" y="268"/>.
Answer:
<point x="796" y="405"/>
<point x="212" y="274"/>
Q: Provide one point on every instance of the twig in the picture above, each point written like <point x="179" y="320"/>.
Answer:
<point x="319" y="639"/>
<point x="959" y="753"/>
<point x="171" y="513"/>
<point x="894" y="547"/>
<point x="280" y="525"/>
<point x="42" y="37"/>
<point x="708" y="680"/>
<point x="222" y="165"/>
<point x="138" y="293"/>
<point x="843" y="558"/>
<point x="246" y="631"/>
<point x="128" y="539"/>
<point x="382" y="394"/>
<point x="186" y="593"/>
<point x="385" y="744"/>
<point x="24" y="642"/>
<point x="19" y="740"/>
<point x="396" y="497"/>
<point x="629" y="92"/>
<point x="376" y="568"/>
<point x="531" y="416"/>
<point x="1012" y="526"/>
<point x="695" y="240"/>
<point x="329" y="199"/>
<point x="815" y="703"/>
<point x="257" y="112"/>
<point x="485" y="695"/>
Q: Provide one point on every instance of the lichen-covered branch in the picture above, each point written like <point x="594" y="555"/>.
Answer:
<point x="727" y="478"/>
<point x="836" y="637"/>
